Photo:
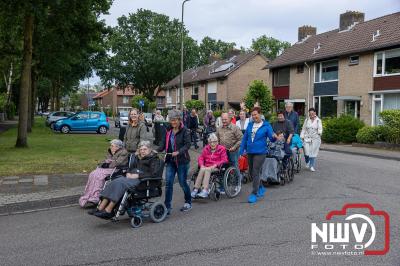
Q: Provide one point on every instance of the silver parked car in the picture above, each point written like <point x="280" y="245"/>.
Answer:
<point x="54" y="116"/>
<point x="122" y="119"/>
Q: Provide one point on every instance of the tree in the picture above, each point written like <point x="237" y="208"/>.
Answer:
<point x="196" y="104"/>
<point x="268" y="46"/>
<point x="53" y="40"/>
<point x="144" y="52"/>
<point x="210" y="47"/>
<point x="259" y="93"/>
<point x="22" y="138"/>
<point x="147" y="103"/>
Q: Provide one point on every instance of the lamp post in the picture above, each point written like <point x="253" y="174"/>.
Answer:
<point x="181" y="75"/>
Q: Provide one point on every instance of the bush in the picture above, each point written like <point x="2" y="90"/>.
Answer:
<point x="217" y="113"/>
<point x="391" y="118"/>
<point x="259" y="92"/>
<point x="343" y="129"/>
<point x="366" y="135"/>
<point x="392" y="135"/>
<point x="196" y="104"/>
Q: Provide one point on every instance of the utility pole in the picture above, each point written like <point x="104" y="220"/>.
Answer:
<point x="181" y="75"/>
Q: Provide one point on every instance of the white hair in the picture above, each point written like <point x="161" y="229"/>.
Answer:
<point x="289" y="104"/>
<point x="117" y="143"/>
<point x="212" y="137"/>
<point x="145" y="143"/>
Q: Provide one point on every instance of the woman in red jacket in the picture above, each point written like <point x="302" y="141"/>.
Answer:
<point x="213" y="156"/>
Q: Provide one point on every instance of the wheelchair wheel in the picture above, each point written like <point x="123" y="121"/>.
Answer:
<point x="232" y="182"/>
<point x="214" y="193"/>
<point x="158" y="212"/>
<point x="298" y="162"/>
<point x="136" y="221"/>
<point x="291" y="169"/>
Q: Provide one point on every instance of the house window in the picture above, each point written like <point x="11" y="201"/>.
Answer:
<point x="195" y="92"/>
<point x="325" y="106"/>
<point x="125" y="99"/>
<point x="353" y="60"/>
<point x="387" y="63"/>
<point x="352" y="108"/>
<point x="300" y="69"/>
<point x="178" y="95"/>
<point x="326" y="71"/>
<point x="281" y="77"/>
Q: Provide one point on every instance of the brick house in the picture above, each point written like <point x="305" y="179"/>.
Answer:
<point x="354" y="69"/>
<point x="116" y="99"/>
<point x="221" y="84"/>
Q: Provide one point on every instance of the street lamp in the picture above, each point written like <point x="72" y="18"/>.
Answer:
<point x="181" y="75"/>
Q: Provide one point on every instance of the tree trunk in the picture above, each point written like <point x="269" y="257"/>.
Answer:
<point x="34" y="98"/>
<point x="22" y="139"/>
<point x="29" y="123"/>
<point x="9" y="84"/>
<point x="57" y="97"/>
<point x="52" y="96"/>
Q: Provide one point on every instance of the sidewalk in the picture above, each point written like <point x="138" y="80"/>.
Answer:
<point x="362" y="151"/>
<point x="5" y="125"/>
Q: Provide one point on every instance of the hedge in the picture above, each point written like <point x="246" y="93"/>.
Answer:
<point x="342" y="129"/>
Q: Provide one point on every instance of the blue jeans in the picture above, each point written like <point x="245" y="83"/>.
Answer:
<point x="233" y="158"/>
<point x="310" y="160"/>
<point x="171" y="170"/>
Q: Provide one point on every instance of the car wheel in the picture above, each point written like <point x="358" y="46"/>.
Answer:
<point x="65" y="129"/>
<point x="102" y="130"/>
<point x="52" y="125"/>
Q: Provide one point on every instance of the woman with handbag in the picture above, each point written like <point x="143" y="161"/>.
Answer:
<point x="116" y="156"/>
<point x="311" y="136"/>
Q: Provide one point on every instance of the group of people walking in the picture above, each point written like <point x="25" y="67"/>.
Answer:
<point x="229" y="138"/>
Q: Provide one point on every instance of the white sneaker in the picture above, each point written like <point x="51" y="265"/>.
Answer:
<point x="308" y="165"/>
<point x="312" y="169"/>
<point x="203" y="194"/>
<point x="194" y="193"/>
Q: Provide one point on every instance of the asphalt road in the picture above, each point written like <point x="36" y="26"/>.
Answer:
<point x="274" y="231"/>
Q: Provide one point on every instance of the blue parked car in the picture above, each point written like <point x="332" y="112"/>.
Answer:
<point x="84" y="121"/>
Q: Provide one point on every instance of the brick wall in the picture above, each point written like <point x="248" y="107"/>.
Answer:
<point x="235" y="87"/>
<point x="357" y="80"/>
<point x="299" y="84"/>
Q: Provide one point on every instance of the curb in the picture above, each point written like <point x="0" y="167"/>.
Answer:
<point x="38" y="205"/>
<point x="362" y="154"/>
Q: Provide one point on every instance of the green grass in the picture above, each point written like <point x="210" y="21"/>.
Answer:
<point x="50" y="153"/>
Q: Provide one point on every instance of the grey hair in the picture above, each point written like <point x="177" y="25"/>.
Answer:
<point x="174" y="114"/>
<point x="288" y="104"/>
<point x="145" y="143"/>
<point x="212" y="137"/>
<point x="117" y="143"/>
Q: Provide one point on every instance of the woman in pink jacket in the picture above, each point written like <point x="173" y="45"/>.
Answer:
<point x="213" y="156"/>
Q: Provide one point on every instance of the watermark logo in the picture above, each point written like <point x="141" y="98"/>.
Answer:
<point x="356" y="229"/>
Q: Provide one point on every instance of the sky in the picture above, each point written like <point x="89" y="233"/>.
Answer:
<point x="240" y="21"/>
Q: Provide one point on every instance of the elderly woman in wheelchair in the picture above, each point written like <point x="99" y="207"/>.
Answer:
<point x="117" y="156"/>
<point x="214" y="170"/>
<point x="145" y="166"/>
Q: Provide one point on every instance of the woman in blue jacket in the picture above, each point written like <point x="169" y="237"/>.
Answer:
<point x="254" y="144"/>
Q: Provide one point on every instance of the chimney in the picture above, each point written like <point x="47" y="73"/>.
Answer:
<point x="349" y="18"/>
<point x="305" y="30"/>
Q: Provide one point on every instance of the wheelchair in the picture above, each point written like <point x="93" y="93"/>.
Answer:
<point x="137" y="202"/>
<point x="285" y="167"/>
<point x="225" y="177"/>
